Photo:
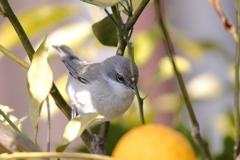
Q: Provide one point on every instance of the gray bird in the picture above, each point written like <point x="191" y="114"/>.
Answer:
<point x="105" y="88"/>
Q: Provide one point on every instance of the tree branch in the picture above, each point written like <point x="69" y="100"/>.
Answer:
<point x="132" y="20"/>
<point x="236" y="88"/>
<point x="171" y="53"/>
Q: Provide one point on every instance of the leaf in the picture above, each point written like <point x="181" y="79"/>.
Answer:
<point x="101" y="3"/>
<point x="35" y="21"/>
<point x="75" y="127"/>
<point x="166" y="69"/>
<point x="39" y="81"/>
<point x="106" y="31"/>
<point x="145" y="43"/>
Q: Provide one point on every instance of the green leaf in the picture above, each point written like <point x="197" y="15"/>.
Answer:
<point x="39" y="81"/>
<point x="75" y="127"/>
<point x="36" y="21"/>
<point x="106" y="31"/>
<point x="102" y="3"/>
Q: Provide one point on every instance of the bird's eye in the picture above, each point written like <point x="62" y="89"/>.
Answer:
<point x="120" y="78"/>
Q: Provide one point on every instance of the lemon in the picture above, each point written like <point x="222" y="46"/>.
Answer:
<point x="153" y="142"/>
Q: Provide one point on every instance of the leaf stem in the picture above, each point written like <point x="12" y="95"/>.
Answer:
<point x="171" y="53"/>
<point x="13" y="57"/>
<point x="236" y="88"/>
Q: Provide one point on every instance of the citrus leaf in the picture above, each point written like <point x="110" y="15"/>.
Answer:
<point x="35" y="21"/>
<point x="75" y="127"/>
<point x="102" y="3"/>
<point x="39" y="81"/>
<point x="106" y="31"/>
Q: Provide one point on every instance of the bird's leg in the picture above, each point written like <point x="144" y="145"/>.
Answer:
<point x="74" y="111"/>
<point x="99" y="141"/>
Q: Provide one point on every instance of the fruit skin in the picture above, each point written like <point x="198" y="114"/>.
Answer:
<point x="153" y="142"/>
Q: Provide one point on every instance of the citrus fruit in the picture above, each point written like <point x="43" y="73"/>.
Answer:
<point x="153" y="142"/>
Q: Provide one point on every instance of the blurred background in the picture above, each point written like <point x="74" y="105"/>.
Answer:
<point x="205" y="56"/>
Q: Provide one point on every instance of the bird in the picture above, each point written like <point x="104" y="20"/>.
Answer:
<point x="105" y="88"/>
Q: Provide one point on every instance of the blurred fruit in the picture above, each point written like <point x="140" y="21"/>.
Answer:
<point x="153" y="142"/>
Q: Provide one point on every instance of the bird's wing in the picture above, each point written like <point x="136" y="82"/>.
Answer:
<point x="72" y="62"/>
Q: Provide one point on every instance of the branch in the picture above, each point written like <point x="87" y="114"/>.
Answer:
<point x="171" y="53"/>
<point x="17" y="26"/>
<point x="236" y="88"/>
<point x="60" y="102"/>
<point x="132" y="20"/>
<point x="13" y="57"/>
<point x="34" y="155"/>
<point x="227" y="25"/>
<point x="122" y="31"/>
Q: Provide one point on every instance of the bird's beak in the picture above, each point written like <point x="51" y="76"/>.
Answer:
<point x="132" y="88"/>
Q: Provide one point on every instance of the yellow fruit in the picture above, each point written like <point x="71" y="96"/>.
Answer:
<point x="153" y="142"/>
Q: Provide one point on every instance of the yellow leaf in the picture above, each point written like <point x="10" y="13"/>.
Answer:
<point x="166" y="68"/>
<point x="39" y="81"/>
<point x="75" y="127"/>
<point x="35" y="21"/>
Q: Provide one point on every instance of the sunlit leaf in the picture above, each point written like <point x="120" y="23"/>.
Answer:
<point x="39" y="81"/>
<point x="204" y="86"/>
<point x="166" y="69"/>
<point x="101" y="3"/>
<point x="145" y="43"/>
<point x="106" y="31"/>
<point x="6" y="109"/>
<point x="35" y="21"/>
<point x="75" y="127"/>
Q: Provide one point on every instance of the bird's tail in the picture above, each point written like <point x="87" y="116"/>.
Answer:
<point x="65" y="51"/>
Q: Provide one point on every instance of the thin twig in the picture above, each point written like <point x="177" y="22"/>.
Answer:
<point x="122" y="31"/>
<point x="112" y="18"/>
<point x="32" y="155"/>
<point x="236" y="88"/>
<point x="216" y="4"/>
<point x="49" y="125"/>
<point x="140" y="100"/>
<point x="125" y="8"/>
<point x="13" y="57"/>
<point x="171" y="53"/>
<point x="130" y="23"/>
